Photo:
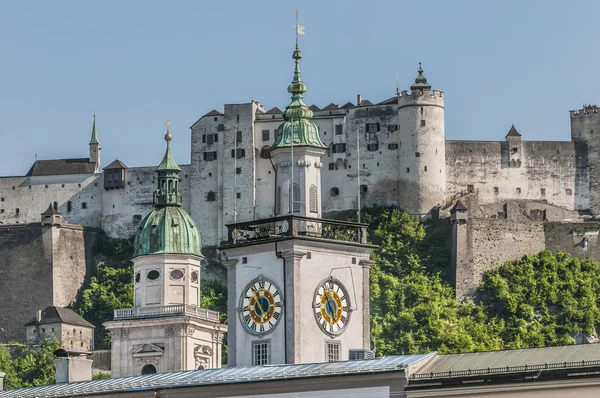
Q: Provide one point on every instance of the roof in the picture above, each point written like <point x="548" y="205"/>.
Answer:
<point x="513" y="132"/>
<point x="50" y="211"/>
<point x="509" y="360"/>
<point x="459" y="206"/>
<point x="348" y="105"/>
<point x="314" y="108"/>
<point x="365" y="103"/>
<point x="389" y="101"/>
<point x="60" y="315"/>
<point x="197" y="378"/>
<point x="168" y="163"/>
<point x="214" y="112"/>
<point x="275" y="110"/>
<point x="331" y="107"/>
<point x="116" y="164"/>
<point x="61" y="167"/>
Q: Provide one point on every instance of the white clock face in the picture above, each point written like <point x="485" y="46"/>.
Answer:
<point x="331" y="306"/>
<point x="261" y="306"/>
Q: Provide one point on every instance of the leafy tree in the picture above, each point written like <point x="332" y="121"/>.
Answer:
<point x="31" y="367"/>
<point x="101" y="376"/>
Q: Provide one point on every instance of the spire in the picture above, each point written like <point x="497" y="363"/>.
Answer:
<point x="168" y="163"/>
<point x="167" y="193"/>
<point x="420" y="81"/>
<point x="94" y="139"/>
<point x="297" y="114"/>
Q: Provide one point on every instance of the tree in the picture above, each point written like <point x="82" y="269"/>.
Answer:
<point x="31" y="366"/>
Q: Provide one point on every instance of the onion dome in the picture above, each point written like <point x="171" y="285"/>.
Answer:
<point x="420" y="82"/>
<point x="297" y="115"/>
<point x="168" y="229"/>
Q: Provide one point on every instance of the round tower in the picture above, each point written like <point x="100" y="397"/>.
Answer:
<point x="422" y="163"/>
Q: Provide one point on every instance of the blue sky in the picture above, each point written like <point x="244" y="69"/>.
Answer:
<point x="137" y="63"/>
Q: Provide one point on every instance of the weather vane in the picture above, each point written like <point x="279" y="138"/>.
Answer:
<point x="299" y="28"/>
<point x="168" y="124"/>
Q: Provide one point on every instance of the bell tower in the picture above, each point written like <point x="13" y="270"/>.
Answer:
<point x="298" y="285"/>
<point x="166" y="330"/>
<point x="95" y="147"/>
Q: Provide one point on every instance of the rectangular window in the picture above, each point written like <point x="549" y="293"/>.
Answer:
<point x="514" y="150"/>
<point x="569" y="191"/>
<point x="470" y="188"/>
<point x="372" y="147"/>
<point x="339" y="148"/>
<point x="422" y="123"/>
<point x="1" y="199"/>
<point x="241" y="152"/>
<point x="211" y="196"/>
<point x="204" y="138"/>
<point x="260" y="353"/>
<point x="392" y="127"/>
<point x="221" y="127"/>
<point x="392" y="146"/>
<point x="372" y="127"/>
<point x="543" y="191"/>
<point x="266" y="135"/>
<point x="84" y="205"/>
<point x="417" y="154"/>
<point x="333" y="351"/>
<point x="331" y="166"/>
<point x="518" y="190"/>
<point x="425" y="168"/>
<point x="408" y="169"/>
<point x="210" y="139"/>
<point x="210" y="156"/>
<point x="109" y="176"/>
<point x="496" y="190"/>
<point x="238" y="136"/>
<point x="238" y="195"/>
<point x="1" y="210"/>
<point x="339" y="129"/>
<point x="238" y="170"/>
<point x="18" y="211"/>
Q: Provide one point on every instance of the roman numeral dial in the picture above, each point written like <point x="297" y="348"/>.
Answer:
<point x="261" y="306"/>
<point x="331" y="305"/>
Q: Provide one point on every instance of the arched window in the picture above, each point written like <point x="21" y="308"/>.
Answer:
<point x="295" y="198"/>
<point x="278" y="200"/>
<point x="335" y="191"/>
<point x="55" y="206"/>
<point x="148" y="369"/>
<point x="69" y="206"/>
<point x="312" y="194"/>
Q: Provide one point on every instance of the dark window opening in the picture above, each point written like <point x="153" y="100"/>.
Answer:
<point x="220" y="127"/>
<point x="238" y="195"/>
<point x="211" y="196"/>
<point x="422" y="123"/>
<point x="238" y="170"/>
<point x="470" y="188"/>
<point x="417" y="154"/>
<point x="84" y="205"/>
<point x="331" y="166"/>
<point x="335" y="191"/>
<point x="69" y="206"/>
<point x="372" y="147"/>
<point x="266" y="135"/>
<point x="210" y="156"/>
<point x="339" y="129"/>
<point x="392" y="146"/>
<point x="339" y="148"/>
<point x="241" y="152"/>
<point x="148" y="369"/>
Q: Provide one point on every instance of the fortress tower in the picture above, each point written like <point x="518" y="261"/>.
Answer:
<point x="585" y="131"/>
<point x="422" y="168"/>
<point x="166" y="330"/>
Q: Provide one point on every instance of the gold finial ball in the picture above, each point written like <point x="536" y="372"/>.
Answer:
<point x="168" y="136"/>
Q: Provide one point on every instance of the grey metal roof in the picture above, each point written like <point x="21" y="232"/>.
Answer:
<point x="216" y="376"/>
<point x="61" y="167"/>
<point x="510" y="360"/>
<point x="54" y="314"/>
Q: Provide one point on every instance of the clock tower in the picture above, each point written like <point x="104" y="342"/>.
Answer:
<point x="298" y="285"/>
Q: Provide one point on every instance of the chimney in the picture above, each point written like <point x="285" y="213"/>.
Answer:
<point x="70" y="369"/>
<point x="38" y="316"/>
<point x="358" y="99"/>
<point x="2" y="380"/>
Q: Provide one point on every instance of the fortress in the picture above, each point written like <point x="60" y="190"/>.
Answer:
<point x="503" y="198"/>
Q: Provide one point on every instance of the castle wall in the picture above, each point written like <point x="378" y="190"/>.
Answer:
<point x="48" y="262"/>
<point x="32" y="195"/>
<point x="544" y="170"/>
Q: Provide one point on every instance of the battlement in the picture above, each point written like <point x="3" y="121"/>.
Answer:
<point x="409" y="98"/>
<point x="586" y="110"/>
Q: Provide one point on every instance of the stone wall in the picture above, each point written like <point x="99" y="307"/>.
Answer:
<point x="39" y="267"/>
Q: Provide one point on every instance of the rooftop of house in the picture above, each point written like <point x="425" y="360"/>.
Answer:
<point x="61" y="167"/>
<point x="59" y="315"/>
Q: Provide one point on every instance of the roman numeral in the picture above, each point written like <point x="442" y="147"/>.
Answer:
<point x="278" y="304"/>
<point x="254" y="289"/>
<point x="331" y="328"/>
<point x="246" y="309"/>
<point x="271" y="325"/>
<point x="253" y="326"/>
<point x="262" y="328"/>
<point x="319" y="316"/>
<point x="276" y="315"/>
<point x="261" y="284"/>
<point x="247" y="318"/>
<point x="343" y="298"/>
<point x="343" y="319"/>
<point x="276" y="294"/>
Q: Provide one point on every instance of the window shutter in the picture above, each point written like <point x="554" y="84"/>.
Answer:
<point x="233" y="153"/>
<point x="216" y="138"/>
<point x="205" y="156"/>
<point x="378" y="127"/>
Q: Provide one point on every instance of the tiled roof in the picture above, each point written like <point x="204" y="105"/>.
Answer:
<point x="389" y="101"/>
<point x="61" y="167"/>
<point x="60" y="315"/>
<point x="331" y="107"/>
<point x="513" y="132"/>
<point x="348" y="105"/>
<point x="275" y="110"/>
<point x="117" y="164"/>
<point x="314" y="108"/>
<point x="365" y="103"/>
<point x="51" y="210"/>
<point x="197" y="378"/>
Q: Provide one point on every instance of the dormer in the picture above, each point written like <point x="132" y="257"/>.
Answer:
<point x="114" y="175"/>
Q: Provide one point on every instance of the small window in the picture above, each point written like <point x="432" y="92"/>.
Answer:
<point x="153" y="275"/>
<point x="62" y="185"/>
<point x="14" y="187"/>
<point x="333" y="351"/>
<point x="1" y="199"/>
<point x="266" y="135"/>
<point x="241" y="152"/>
<point x="215" y="118"/>
<point x="312" y="194"/>
<point x="194" y="277"/>
<point x="18" y="211"/>
<point x="43" y="330"/>
<point x="422" y="123"/>
<point x="514" y="150"/>
<point x="244" y="260"/>
<point x="137" y="277"/>
<point x="45" y="186"/>
<point x="295" y="198"/>
<point x="470" y="188"/>
<point x="238" y="136"/>
<point x="372" y="147"/>
<point x="238" y="170"/>
<point x="176" y="274"/>
<point x="55" y="205"/>
<point x="331" y="166"/>
<point x="408" y="169"/>
<point x="569" y="191"/>
<point x="363" y="189"/>
<point x="137" y="217"/>
<point x="339" y="148"/>
<point x="372" y="127"/>
<point x="204" y="138"/>
<point x="265" y="152"/>
<point x="78" y="186"/>
<point x="260" y="353"/>
<point x="220" y="127"/>
<point x="392" y="146"/>
<point x="543" y="191"/>
<point x="148" y="369"/>
<point x="109" y="177"/>
<point x="210" y="139"/>
<point x="1" y="210"/>
<point x="496" y="190"/>
<point x="308" y="255"/>
<point x="335" y="191"/>
<point x="518" y="190"/>
<point x="425" y="168"/>
<point x="392" y="128"/>
<point x="238" y="195"/>
<point x="339" y="129"/>
<point x="210" y="156"/>
<point x="84" y="205"/>
<point x="417" y="154"/>
<point x="353" y="260"/>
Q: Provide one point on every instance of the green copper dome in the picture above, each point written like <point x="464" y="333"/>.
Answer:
<point x="297" y="116"/>
<point x="420" y="81"/>
<point x="168" y="229"/>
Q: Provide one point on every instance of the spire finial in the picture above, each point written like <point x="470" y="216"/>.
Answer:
<point x="36" y="156"/>
<point x="168" y="136"/>
<point x="299" y="29"/>
<point x="94" y="139"/>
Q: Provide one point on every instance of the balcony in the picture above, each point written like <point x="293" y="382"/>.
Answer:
<point x="296" y="226"/>
<point x="164" y="311"/>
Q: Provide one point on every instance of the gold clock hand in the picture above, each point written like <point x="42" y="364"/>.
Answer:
<point x="262" y="310"/>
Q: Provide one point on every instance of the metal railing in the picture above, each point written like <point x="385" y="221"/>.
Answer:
<point x="505" y="369"/>
<point x="288" y="226"/>
<point x="165" y="310"/>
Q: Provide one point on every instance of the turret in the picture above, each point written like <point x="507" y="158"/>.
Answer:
<point x="95" y="147"/>
<point x="422" y="171"/>
<point x="296" y="153"/>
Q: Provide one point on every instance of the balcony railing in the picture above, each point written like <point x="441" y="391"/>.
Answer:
<point x="166" y="310"/>
<point x="292" y="226"/>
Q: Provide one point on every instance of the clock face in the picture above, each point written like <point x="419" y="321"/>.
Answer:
<point x="331" y="306"/>
<point x="261" y="306"/>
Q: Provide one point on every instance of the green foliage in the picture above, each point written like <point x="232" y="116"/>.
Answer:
<point x="101" y="376"/>
<point x="31" y="366"/>
<point x="214" y="297"/>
